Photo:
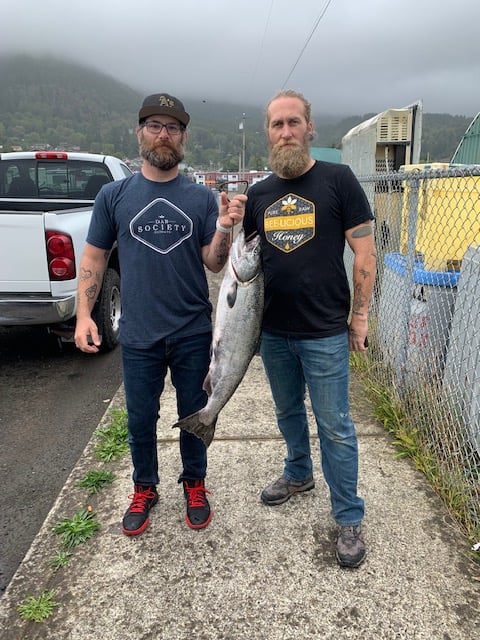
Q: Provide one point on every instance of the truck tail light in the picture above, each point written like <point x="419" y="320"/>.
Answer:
<point x="60" y="256"/>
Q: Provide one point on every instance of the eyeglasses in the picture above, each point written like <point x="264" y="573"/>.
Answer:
<point x="172" y="128"/>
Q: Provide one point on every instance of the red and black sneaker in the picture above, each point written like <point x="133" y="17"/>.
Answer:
<point x="136" y="519"/>
<point x="198" y="510"/>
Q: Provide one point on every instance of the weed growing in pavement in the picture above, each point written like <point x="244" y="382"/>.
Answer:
<point x="112" y="444"/>
<point x="113" y="439"/>
<point x="95" y="480"/>
<point x="60" y="559"/>
<point x="38" y="609"/>
<point x="78" y="529"/>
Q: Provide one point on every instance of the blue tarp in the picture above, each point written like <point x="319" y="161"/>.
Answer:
<point x="397" y="263"/>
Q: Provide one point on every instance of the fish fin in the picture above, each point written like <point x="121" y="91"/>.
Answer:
<point x="193" y="424"/>
<point x="232" y="294"/>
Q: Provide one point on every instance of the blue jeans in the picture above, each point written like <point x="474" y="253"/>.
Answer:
<point x="144" y="372"/>
<point x="322" y="366"/>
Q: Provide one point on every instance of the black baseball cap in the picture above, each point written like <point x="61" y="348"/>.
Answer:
<point x="163" y="104"/>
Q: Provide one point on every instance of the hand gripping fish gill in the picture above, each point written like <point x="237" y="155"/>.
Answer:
<point x="238" y="322"/>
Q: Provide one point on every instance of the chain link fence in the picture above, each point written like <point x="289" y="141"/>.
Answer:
<point x="424" y="326"/>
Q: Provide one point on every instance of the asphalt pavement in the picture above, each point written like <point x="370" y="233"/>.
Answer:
<point x="256" y="572"/>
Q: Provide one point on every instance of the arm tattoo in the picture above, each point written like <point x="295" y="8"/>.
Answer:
<point x="91" y="292"/>
<point x="221" y="251"/>
<point x="362" y="232"/>
<point x="365" y="274"/>
<point x="85" y="274"/>
<point x="359" y="300"/>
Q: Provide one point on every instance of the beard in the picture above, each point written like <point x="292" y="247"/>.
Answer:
<point x="289" y="160"/>
<point x="162" y="156"/>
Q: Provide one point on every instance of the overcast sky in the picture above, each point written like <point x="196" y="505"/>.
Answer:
<point x="349" y="57"/>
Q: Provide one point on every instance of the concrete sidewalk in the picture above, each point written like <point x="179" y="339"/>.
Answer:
<point x="257" y="572"/>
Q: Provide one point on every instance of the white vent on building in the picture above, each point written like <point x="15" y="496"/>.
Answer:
<point x="394" y="125"/>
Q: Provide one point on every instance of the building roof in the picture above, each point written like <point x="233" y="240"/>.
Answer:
<point x="326" y="154"/>
<point x="468" y="151"/>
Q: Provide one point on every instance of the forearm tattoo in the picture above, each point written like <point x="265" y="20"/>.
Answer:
<point x="85" y="275"/>
<point x="91" y="292"/>
<point x="364" y="273"/>
<point x="222" y="249"/>
<point x="359" y="300"/>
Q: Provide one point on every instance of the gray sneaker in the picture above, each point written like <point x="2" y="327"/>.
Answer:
<point x="350" y="550"/>
<point x="283" y="489"/>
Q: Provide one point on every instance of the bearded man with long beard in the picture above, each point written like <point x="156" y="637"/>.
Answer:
<point x="167" y="229"/>
<point x="305" y="213"/>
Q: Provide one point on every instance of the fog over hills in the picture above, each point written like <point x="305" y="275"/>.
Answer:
<point x="45" y="100"/>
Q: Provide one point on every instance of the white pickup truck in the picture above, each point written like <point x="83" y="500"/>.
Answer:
<point x="46" y="201"/>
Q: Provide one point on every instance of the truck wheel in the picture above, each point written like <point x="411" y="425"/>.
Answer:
<point x="108" y="310"/>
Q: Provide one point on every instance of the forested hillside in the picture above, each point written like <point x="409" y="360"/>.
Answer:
<point x="45" y="101"/>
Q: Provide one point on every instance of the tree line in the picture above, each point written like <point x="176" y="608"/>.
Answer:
<point x="50" y="102"/>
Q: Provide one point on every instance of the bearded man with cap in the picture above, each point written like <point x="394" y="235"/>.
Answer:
<point x="167" y="229"/>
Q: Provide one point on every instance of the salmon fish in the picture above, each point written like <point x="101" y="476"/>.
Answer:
<point x="237" y="327"/>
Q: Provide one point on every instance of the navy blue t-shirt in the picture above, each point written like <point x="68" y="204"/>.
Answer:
<point x="302" y="222"/>
<point x="160" y="228"/>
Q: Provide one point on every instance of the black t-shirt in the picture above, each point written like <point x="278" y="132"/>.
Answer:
<point x="302" y="223"/>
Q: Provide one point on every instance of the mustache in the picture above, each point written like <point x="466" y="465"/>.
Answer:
<point x="163" y="144"/>
<point x="286" y="143"/>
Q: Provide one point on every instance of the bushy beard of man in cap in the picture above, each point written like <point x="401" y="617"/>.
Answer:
<point x="164" y="154"/>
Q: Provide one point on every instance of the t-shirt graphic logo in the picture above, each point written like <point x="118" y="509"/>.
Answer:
<point x="290" y="222"/>
<point x="161" y="226"/>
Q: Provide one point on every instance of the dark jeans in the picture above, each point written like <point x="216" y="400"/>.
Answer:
<point x="144" y="372"/>
<point x="322" y="366"/>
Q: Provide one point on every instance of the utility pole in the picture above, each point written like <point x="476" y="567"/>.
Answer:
<point x="242" y="177"/>
<point x="241" y="156"/>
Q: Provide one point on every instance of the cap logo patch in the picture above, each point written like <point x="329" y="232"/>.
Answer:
<point x="163" y="101"/>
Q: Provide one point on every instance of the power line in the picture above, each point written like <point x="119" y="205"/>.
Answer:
<point x="261" y="45"/>
<point x="307" y="41"/>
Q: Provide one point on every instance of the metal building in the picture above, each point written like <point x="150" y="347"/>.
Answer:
<point x="468" y="151"/>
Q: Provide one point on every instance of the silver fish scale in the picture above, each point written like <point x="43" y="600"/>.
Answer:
<point x="237" y="328"/>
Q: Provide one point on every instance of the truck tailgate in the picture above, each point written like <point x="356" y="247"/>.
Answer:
<point x="23" y="259"/>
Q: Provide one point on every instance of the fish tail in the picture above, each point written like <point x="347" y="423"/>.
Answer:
<point x="193" y="424"/>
